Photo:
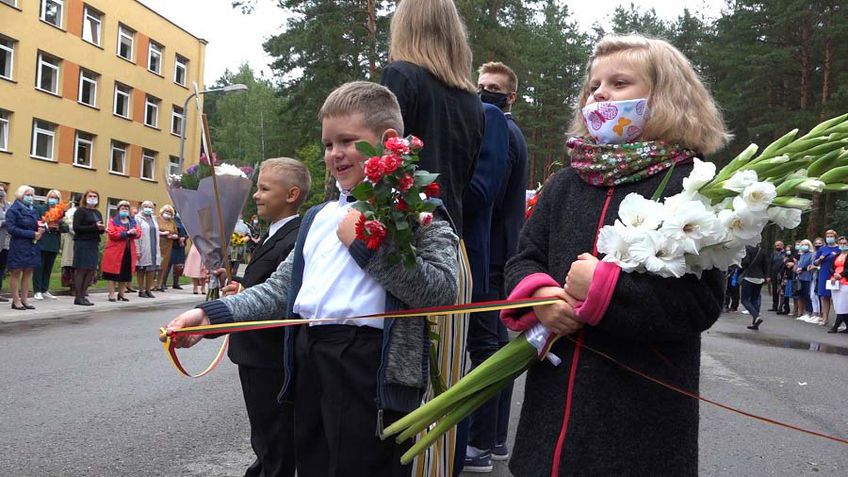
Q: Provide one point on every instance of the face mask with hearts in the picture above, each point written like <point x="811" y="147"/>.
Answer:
<point x="616" y="122"/>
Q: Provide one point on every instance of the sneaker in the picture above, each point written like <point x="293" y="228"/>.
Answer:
<point x="480" y="464"/>
<point x="500" y="452"/>
<point x="804" y="317"/>
<point x="745" y="312"/>
<point x="38" y="296"/>
<point x="49" y="295"/>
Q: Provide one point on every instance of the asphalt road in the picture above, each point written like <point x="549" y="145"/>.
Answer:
<point x="97" y="396"/>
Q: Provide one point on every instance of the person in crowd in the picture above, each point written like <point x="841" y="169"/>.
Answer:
<point x="282" y="187"/>
<point x="815" y="301"/>
<point x="344" y="384"/>
<point x="755" y="269"/>
<point x="178" y="254"/>
<point x="147" y="248"/>
<point x="253" y="238"/>
<point x="787" y="290"/>
<point x="430" y="74"/>
<point x="88" y="227"/>
<point x="824" y="260"/>
<point x="24" y="248"/>
<point x="119" y="256"/>
<point x="195" y="270"/>
<point x="168" y="237"/>
<point x="4" y="239"/>
<point x="67" y="261"/>
<point x="804" y="271"/>
<point x="50" y="243"/>
<point x="585" y="416"/>
<point x="731" y="293"/>
<point x="839" y="285"/>
<point x="777" y="259"/>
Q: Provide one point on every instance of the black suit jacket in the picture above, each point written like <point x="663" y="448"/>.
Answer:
<point x="264" y="348"/>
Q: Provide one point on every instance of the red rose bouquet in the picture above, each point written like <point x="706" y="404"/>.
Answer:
<point x="396" y="198"/>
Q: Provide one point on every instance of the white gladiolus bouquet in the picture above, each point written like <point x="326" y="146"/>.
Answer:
<point x="709" y="224"/>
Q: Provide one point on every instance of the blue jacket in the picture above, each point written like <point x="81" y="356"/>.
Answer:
<point x="805" y="261"/>
<point x="479" y="199"/>
<point x="508" y="214"/>
<point x="22" y="222"/>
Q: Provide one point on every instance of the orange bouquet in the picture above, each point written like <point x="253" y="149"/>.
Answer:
<point x="55" y="214"/>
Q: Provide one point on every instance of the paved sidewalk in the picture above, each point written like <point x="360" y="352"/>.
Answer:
<point x="63" y="306"/>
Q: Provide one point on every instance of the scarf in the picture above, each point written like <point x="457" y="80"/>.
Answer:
<point x="607" y="165"/>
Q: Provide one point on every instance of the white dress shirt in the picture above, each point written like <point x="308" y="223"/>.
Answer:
<point x="334" y="285"/>
<point x="277" y="226"/>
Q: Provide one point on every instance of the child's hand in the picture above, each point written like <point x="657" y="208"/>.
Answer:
<point x="559" y="317"/>
<point x="193" y="317"/>
<point x="580" y="276"/>
<point x="347" y="227"/>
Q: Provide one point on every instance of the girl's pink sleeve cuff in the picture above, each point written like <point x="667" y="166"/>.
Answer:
<point x="520" y="319"/>
<point x="592" y="310"/>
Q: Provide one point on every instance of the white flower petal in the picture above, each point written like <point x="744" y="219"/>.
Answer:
<point x="639" y="212"/>
<point x="740" y="180"/>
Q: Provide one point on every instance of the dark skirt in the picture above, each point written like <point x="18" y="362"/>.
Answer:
<point x="178" y="256"/>
<point x="125" y="274"/>
<point x="86" y="254"/>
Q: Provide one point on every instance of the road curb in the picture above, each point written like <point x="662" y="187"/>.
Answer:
<point x="63" y="307"/>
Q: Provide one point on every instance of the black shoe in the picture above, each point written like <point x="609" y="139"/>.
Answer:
<point x="122" y="298"/>
<point x="16" y="307"/>
<point x="28" y="307"/>
<point x="131" y="290"/>
<point x="782" y="313"/>
<point x="4" y="300"/>
<point x="773" y="309"/>
<point x="113" y="300"/>
<point x="832" y="330"/>
<point x="177" y="287"/>
<point x="843" y="332"/>
<point x="756" y="325"/>
<point x="83" y="303"/>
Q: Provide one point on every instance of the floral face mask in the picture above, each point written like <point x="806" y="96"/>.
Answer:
<point x="616" y="122"/>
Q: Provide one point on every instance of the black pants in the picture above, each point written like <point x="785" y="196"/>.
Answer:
<point x="335" y="407"/>
<point x="41" y="275"/>
<point x="731" y="296"/>
<point x="3" y="255"/>
<point x="83" y="278"/>
<point x="271" y="423"/>
<point x="774" y="288"/>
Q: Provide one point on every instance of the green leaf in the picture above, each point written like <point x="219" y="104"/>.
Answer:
<point x="363" y="191"/>
<point x="366" y="149"/>
<point x="423" y="178"/>
<point x="659" y="192"/>
<point x="412" y="199"/>
<point x="363" y="207"/>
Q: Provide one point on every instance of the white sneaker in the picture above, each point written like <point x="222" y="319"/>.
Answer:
<point x="38" y="296"/>
<point x="745" y="312"/>
<point x="49" y="295"/>
<point x="804" y="317"/>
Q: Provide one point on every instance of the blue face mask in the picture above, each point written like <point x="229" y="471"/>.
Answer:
<point x="124" y="214"/>
<point x="27" y="199"/>
<point x="830" y="240"/>
<point x="147" y="211"/>
<point x="52" y="201"/>
<point x="805" y="248"/>
<point x="843" y="248"/>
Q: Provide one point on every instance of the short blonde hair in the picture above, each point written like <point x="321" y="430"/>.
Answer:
<point x="166" y="207"/>
<point x="431" y="34"/>
<point x="22" y="190"/>
<point x="124" y="203"/>
<point x="292" y="172"/>
<point x="496" y="67"/>
<point x="682" y="109"/>
<point x="54" y="192"/>
<point x="377" y="104"/>
<point x="146" y="202"/>
<point x="808" y="244"/>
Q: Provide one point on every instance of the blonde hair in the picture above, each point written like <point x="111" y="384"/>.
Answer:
<point x="292" y="172"/>
<point x="377" y="104"/>
<point x="682" y="109"/>
<point x="496" y="67"/>
<point x="124" y="203"/>
<point x="166" y="207"/>
<point x="54" y="192"/>
<point x="431" y="34"/>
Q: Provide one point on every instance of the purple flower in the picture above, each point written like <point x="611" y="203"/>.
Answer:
<point x="193" y="169"/>
<point x="247" y="170"/>
<point x="204" y="160"/>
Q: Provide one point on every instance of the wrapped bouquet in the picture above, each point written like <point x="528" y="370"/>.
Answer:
<point x="706" y="226"/>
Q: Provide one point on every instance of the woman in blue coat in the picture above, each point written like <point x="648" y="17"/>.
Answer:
<point x="24" y="250"/>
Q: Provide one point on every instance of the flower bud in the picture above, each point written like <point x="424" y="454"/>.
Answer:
<point x="425" y="218"/>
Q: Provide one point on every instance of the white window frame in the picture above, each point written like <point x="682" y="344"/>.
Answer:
<point x="90" y="143"/>
<point x="90" y="18"/>
<point x="10" y="50"/>
<point x="173" y="165"/>
<point x="115" y="100"/>
<point x="43" y="62"/>
<point x="180" y="116"/>
<point x="120" y="147"/>
<point x="151" y="102"/>
<point x="181" y="63"/>
<point x="4" y="129"/>
<point x="12" y="3"/>
<point x="125" y="32"/>
<point x="154" y="48"/>
<point x="112" y="207"/>
<point x="148" y="155"/>
<point x="38" y="129"/>
<point x="85" y="79"/>
<point x="43" y="13"/>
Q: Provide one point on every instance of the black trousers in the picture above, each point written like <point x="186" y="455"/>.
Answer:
<point x="335" y="405"/>
<point x="774" y="288"/>
<point x="271" y="423"/>
<point x="41" y="275"/>
<point x="731" y="296"/>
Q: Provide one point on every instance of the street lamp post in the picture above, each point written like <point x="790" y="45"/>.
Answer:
<point x="226" y="89"/>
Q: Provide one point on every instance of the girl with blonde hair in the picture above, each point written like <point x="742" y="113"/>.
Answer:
<point x="641" y="110"/>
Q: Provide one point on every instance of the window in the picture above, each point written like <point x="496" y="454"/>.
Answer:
<point x="7" y="57"/>
<point x="88" y="88"/>
<point x="180" y="70"/>
<point x="148" y="164"/>
<point x="4" y="130"/>
<point x="125" y="42"/>
<point x="177" y="120"/>
<point x="51" y="12"/>
<point x="83" y="152"/>
<point x="151" y="111"/>
<point x="13" y="3"/>
<point x="173" y="165"/>
<point x="43" y="138"/>
<point x="154" y="58"/>
<point x="47" y="74"/>
<point x="118" y="161"/>
<point x="122" y="100"/>
<point x="112" y="207"/>
<point x="91" y="22"/>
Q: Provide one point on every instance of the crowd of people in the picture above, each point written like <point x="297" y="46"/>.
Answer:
<point x="806" y="280"/>
<point x="135" y="242"/>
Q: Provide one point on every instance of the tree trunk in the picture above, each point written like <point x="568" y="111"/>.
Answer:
<point x="372" y="39"/>
<point x="805" y="64"/>
<point x="828" y="62"/>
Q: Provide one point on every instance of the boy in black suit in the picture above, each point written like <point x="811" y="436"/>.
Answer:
<point x="282" y="187"/>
